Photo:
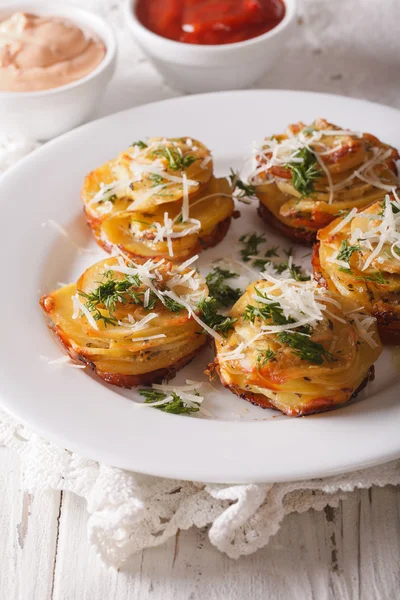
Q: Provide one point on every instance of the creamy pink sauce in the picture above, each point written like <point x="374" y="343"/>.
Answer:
<point x="40" y="53"/>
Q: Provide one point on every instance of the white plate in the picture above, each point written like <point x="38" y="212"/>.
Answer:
<point x="241" y="443"/>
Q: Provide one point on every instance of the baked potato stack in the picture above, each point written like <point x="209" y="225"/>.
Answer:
<point x="291" y="344"/>
<point x="131" y="323"/>
<point x="296" y="347"/>
<point x="158" y="199"/>
<point x="358" y="256"/>
<point x="308" y="176"/>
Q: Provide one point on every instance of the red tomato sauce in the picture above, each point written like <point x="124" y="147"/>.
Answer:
<point x="210" y="21"/>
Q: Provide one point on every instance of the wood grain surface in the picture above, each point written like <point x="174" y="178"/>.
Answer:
<point x="346" y="553"/>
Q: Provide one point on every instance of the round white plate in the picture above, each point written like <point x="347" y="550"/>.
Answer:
<point x="240" y="443"/>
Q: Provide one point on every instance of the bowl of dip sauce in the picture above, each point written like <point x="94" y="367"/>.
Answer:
<point x="55" y="62"/>
<point x="211" y="45"/>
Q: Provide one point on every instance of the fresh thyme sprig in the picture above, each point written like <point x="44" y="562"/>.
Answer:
<point x="209" y="314"/>
<point x="224" y="294"/>
<point x="304" y="173"/>
<point x="304" y="347"/>
<point x="176" y="406"/>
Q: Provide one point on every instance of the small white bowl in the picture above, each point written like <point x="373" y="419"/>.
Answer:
<point x="45" y="114"/>
<point x="199" y="68"/>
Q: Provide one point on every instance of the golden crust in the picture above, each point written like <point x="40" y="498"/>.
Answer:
<point x="316" y="265"/>
<point x="124" y="380"/>
<point x="322" y="404"/>
<point x="303" y="236"/>
<point x="207" y="241"/>
<point x="256" y="399"/>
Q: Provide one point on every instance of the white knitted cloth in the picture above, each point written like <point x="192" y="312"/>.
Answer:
<point x="346" y="46"/>
<point x="129" y="512"/>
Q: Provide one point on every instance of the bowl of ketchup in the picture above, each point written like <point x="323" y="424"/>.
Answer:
<point x="211" y="45"/>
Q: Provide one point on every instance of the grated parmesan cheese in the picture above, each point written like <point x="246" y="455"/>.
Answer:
<point x="79" y="307"/>
<point x="344" y="221"/>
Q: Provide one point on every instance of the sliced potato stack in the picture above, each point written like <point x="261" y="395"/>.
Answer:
<point x="308" y="176"/>
<point x="358" y="256"/>
<point x="296" y="347"/>
<point x="129" y="322"/>
<point x="158" y="199"/>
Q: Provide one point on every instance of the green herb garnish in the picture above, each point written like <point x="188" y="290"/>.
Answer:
<point x="140" y="144"/>
<point x="246" y="190"/>
<point x="112" y="198"/>
<point x="209" y="314"/>
<point x="176" y="161"/>
<point x="264" y="357"/>
<point x="175" y="406"/>
<point x="271" y="311"/>
<point x="261" y="262"/>
<point x="377" y="277"/>
<point x="110" y="292"/>
<point x="224" y="294"/>
<point x="156" y="179"/>
<point x="304" y="347"/>
<point x="395" y="208"/>
<point x="295" y="271"/>
<point x="346" y="251"/>
<point x="304" y="173"/>
<point x="113" y="291"/>
<point x="172" y="305"/>
<point x="252" y="242"/>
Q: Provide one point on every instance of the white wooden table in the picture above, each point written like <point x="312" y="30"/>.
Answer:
<point x="348" y="47"/>
<point x="347" y="553"/>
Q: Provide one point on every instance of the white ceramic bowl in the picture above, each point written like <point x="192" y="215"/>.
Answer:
<point x="45" y="114"/>
<point x="197" y="68"/>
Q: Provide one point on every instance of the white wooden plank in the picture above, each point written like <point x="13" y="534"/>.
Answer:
<point x="79" y="573"/>
<point x="350" y="552"/>
<point x="28" y="533"/>
<point x="380" y="543"/>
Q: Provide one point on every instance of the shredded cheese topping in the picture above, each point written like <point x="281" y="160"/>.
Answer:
<point x="382" y="230"/>
<point x="344" y="221"/>
<point x="148" y="273"/>
<point x="280" y="153"/>
<point x="185" y="392"/>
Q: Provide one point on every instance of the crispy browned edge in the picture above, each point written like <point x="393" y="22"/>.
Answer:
<point x="208" y="241"/>
<point x="299" y="235"/>
<point x="118" y="379"/>
<point x="316" y="264"/>
<point x="388" y="321"/>
<point x="317" y="406"/>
